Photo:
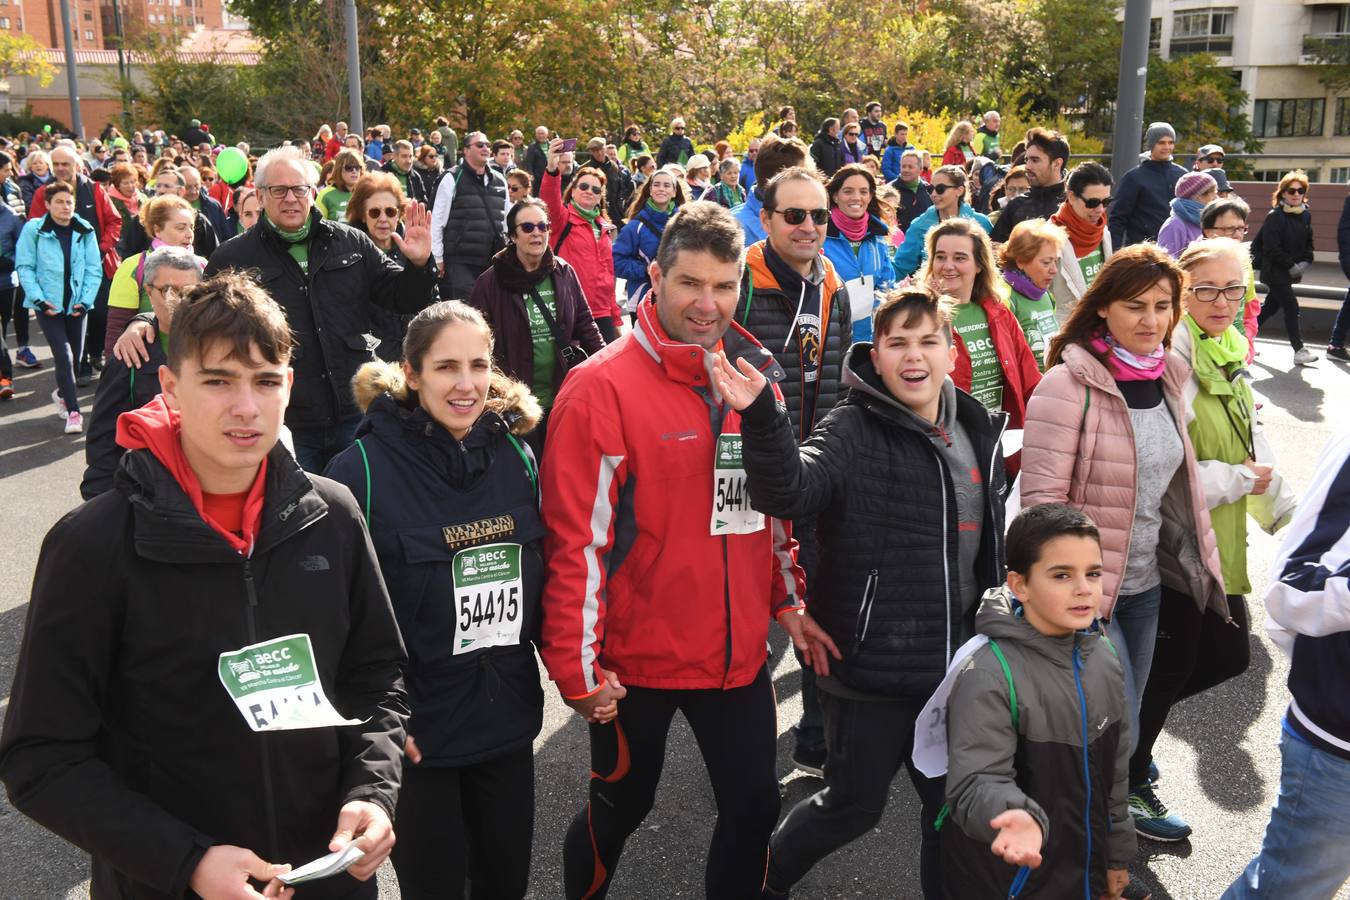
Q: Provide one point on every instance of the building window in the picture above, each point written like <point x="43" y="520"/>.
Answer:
<point x="1339" y="175"/>
<point x="4" y="23"/>
<point x="1273" y="176"/>
<point x="1203" y="31"/>
<point x="1289" y="118"/>
<point x="1342" y="126"/>
<point x="1155" y="35"/>
<point x="88" y="35"/>
<point x="88" y="16"/>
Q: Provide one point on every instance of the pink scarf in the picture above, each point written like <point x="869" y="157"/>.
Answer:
<point x="853" y="229"/>
<point x="1127" y="366"/>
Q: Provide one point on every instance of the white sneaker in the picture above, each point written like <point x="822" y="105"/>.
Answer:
<point x="61" y="411"/>
<point x="1303" y="356"/>
<point x="74" y="423"/>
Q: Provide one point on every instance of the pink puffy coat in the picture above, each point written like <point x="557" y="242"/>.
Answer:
<point x="1078" y="448"/>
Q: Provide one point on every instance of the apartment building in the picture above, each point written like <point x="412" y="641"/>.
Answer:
<point x="1266" y="43"/>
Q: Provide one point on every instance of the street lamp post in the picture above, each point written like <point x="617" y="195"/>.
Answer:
<point x="1130" y="89"/>
<point x="72" y="80"/>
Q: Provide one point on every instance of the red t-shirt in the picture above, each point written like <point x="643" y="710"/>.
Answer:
<point x="226" y="509"/>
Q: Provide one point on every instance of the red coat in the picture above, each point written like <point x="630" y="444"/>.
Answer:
<point x="637" y="584"/>
<point x="1020" y="372"/>
<point x="592" y="259"/>
<point x="954" y="156"/>
<point x="109" y="220"/>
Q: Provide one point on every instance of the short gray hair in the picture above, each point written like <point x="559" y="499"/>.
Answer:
<point x="728" y="165"/>
<point x="403" y="145"/>
<point x="701" y="226"/>
<point x="290" y="154"/>
<point x="917" y="154"/>
<point x="180" y="258"/>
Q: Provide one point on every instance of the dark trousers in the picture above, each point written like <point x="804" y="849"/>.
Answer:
<point x="868" y="741"/>
<point x="1341" y="329"/>
<point x="471" y="824"/>
<point x="736" y="732"/>
<point x="458" y="281"/>
<point x="608" y="330"/>
<point x="1281" y="298"/>
<point x="97" y="329"/>
<point x="11" y="307"/>
<point x="1195" y="651"/>
<point x="314" y="447"/>
<point x="65" y="335"/>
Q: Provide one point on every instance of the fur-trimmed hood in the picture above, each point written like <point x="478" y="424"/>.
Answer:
<point x="509" y="399"/>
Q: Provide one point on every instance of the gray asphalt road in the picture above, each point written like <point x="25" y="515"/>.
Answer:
<point x="1219" y="755"/>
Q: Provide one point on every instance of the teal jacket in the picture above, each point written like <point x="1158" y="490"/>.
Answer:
<point x="910" y="254"/>
<point x="42" y="267"/>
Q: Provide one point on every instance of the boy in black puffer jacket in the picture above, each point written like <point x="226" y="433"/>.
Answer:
<point x="906" y="479"/>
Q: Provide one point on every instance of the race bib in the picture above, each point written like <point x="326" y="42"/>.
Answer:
<point x="861" y="294"/>
<point x="276" y="686"/>
<point x="930" y="728"/>
<point x="488" y="596"/>
<point x="731" y="512"/>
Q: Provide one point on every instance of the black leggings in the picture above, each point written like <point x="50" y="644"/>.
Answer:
<point x="11" y="307"/>
<point x="466" y="823"/>
<point x="1195" y="652"/>
<point x="1281" y="297"/>
<point x="737" y="735"/>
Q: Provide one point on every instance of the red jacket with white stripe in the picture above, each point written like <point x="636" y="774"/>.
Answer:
<point x="637" y="583"/>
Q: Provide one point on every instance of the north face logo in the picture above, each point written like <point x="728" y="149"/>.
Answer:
<point x="314" y="563"/>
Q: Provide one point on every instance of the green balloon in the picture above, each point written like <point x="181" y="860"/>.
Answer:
<point x="47" y="128"/>
<point x="232" y="165"/>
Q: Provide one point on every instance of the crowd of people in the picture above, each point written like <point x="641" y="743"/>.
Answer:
<point x="382" y="423"/>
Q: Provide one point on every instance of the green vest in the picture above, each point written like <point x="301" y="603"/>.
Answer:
<point x="1222" y="430"/>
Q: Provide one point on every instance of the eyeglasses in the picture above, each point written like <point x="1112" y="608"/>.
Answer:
<point x="374" y="212"/>
<point x="1095" y="201"/>
<point x="941" y="189"/>
<point x="532" y="227"/>
<point x="1217" y="159"/>
<point x="589" y="188"/>
<point x="678" y="129"/>
<point x="1232" y="231"/>
<point x="795" y="216"/>
<point x="279" y="191"/>
<point x="1208" y="293"/>
<point x="480" y="144"/>
<point x="1296" y="190"/>
<point x="753" y="151"/>
<point x="351" y="168"/>
<point x="1015" y="190"/>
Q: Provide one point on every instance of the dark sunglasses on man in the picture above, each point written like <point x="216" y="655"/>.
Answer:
<point x="795" y="216"/>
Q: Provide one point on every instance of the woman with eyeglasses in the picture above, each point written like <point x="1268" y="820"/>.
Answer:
<point x="1227" y="218"/>
<point x="537" y="309"/>
<point x="994" y="362"/>
<point x="1196" y="648"/>
<point x="947" y="190"/>
<point x="1014" y="184"/>
<point x="855" y="151"/>
<point x="348" y="167"/>
<point x="633" y="146"/>
<point x="676" y="148"/>
<point x="428" y="165"/>
<point x="1082" y="215"/>
<point x="856" y="242"/>
<point x="376" y="207"/>
<point x="518" y="185"/>
<point x="1284" y="248"/>
<point x="635" y="250"/>
<point x="582" y="235"/>
<point x="1193" y="192"/>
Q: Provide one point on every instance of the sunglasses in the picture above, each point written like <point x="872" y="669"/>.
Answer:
<point x="1214" y="159"/>
<point x="374" y="212"/>
<point x="795" y="216"/>
<point x="480" y="144"/>
<point x="1296" y="190"/>
<point x="532" y="227"/>
<point x="591" y="188"/>
<point x="941" y="189"/>
<point x="351" y="168"/>
<point x="1096" y="201"/>
<point x="680" y="129"/>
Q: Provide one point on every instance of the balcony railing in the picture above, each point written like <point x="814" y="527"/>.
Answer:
<point x="1215" y="44"/>
<point x="1330" y="43"/>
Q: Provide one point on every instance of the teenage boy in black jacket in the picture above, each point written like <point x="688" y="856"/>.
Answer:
<point x="906" y="479"/>
<point x="209" y="684"/>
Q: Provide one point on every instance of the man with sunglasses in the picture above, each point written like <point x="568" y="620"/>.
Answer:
<point x="1208" y="157"/>
<point x="1046" y="156"/>
<point x="468" y="222"/>
<point x="325" y="275"/>
<point x="1144" y="195"/>
<point x="796" y="305"/>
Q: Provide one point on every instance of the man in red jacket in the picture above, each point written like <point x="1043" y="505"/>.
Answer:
<point x="662" y="578"/>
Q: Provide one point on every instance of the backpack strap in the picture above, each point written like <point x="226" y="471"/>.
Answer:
<point x="531" y="468"/>
<point x="562" y="235"/>
<point x="365" y="462"/>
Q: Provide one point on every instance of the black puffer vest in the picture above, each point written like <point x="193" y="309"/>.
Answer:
<point x="473" y="229"/>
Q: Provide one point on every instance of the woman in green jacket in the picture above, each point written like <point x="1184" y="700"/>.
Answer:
<point x="1195" y="651"/>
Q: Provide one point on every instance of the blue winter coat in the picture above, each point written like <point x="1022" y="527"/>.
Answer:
<point x="873" y="258"/>
<point x="11" y="226"/>
<point x="911" y="254"/>
<point x="748" y="215"/>
<point x="635" y="250"/>
<point x="890" y="160"/>
<point x="748" y="176"/>
<point x="42" y="266"/>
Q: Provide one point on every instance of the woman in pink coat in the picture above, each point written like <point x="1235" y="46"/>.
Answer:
<point x="1106" y="433"/>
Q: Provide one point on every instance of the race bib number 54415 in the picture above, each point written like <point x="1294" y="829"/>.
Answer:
<point x="489" y="591"/>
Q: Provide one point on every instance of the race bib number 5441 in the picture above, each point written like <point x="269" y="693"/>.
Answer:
<point x="276" y="687"/>
<point x="731" y="512"/>
<point x="489" y="591"/>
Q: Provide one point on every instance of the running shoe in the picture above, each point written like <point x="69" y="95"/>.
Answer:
<point x="6" y="389"/>
<point x="810" y="760"/>
<point x="1151" y="818"/>
<point x="61" y="411"/>
<point x="84" y="379"/>
<point x="1135" y="890"/>
<point x="26" y="359"/>
<point x="1338" y="353"/>
<point x="74" y="423"/>
<point x="1303" y="356"/>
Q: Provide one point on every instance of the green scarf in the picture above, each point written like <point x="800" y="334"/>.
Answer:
<point x="911" y="186"/>
<point x="297" y="242"/>
<point x="669" y="206"/>
<point x="592" y="218"/>
<point x="1222" y="351"/>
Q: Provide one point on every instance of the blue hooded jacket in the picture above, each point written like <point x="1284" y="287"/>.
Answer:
<point x="635" y="250"/>
<point x="748" y="215"/>
<point x="873" y="258"/>
<point x="910" y="254"/>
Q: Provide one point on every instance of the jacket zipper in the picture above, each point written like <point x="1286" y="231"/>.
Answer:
<point x="989" y="491"/>
<point x="869" y="597"/>
<point x="1087" y="773"/>
<point x="269" y="794"/>
<point x="946" y="563"/>
<point x="726" y="601"/>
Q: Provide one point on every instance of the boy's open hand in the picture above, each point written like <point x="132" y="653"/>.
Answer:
<point x="1019" y="838"/>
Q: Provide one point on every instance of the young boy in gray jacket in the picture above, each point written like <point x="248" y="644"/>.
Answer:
<point x="1037" y="731"/>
